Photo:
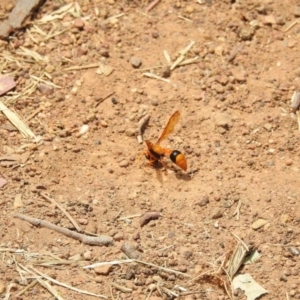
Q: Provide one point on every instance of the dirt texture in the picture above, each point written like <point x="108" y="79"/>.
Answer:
<point x="82" y="90"/>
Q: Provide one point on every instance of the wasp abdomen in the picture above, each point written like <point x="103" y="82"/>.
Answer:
<point x="178" y="158"/>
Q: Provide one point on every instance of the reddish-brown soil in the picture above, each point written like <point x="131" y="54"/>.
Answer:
<point x="236" y="130"/>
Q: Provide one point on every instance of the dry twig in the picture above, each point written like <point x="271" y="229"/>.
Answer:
<point x="90" y="240"/>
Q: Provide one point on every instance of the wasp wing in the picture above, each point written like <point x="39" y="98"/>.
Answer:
<point x="170" y="126"/>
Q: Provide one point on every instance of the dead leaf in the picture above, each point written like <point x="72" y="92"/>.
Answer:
<point x="6" y="84"/>
<point x="251" y="288"/>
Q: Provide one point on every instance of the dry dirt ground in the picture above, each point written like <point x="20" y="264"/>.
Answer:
<point x="236" y="130"/>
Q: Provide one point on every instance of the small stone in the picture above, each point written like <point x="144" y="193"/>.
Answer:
<point x="103" y="270"/>
<point x="284" y="219"/>
<point x="118" y="237"/>
<point x="154" y="102"/>
<point x="87" y="255"/>
<point x="3" y="182"/>
<point x="269" y="20"/>
<point x="219" y="50"/>
<point x="129" y="274"/>
<point x="259" y="223"/>
<point x="222" y="120"/>
<point x="18" y="203"/>
<point x="216" y="214"/>
<point x="104" y="52"/>
<point x="84" y="129"/>
<point x="103" y="123"/>
<point x="78" y="23"/>
<point x="189" y="9"/>
<point x="124" y="164"/>
<point x="135" y="62"/>
<point x="45" y="89"/>
<point x="294" y="251"/>
<point x="204" y="201"/>
<point x="268" y="126"/>
<point x="2" y="287"/>
<point x="246" y="33"/>
<point x="155" y="34"/>
<point x="165" y="72"/>
<point x="82" y="221"/>
<point x="76" y="257"/>
<point x="297" y="12"/>
<point x="130" y="132"/>
<point x="289" y="162"/>
<point x="218" y="88"/>
<point x="239" y="75"/>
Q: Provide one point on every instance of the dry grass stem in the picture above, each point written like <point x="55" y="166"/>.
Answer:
<point x="29" y="286"/>
<point x="90" y="240"/>
<point x="154" y="76"/>
<point x="121" y="288"/>
<point x="237" y="210"/>
<point x="78" y="228"/>
<point x="141" y="126"/>
<point x="115" y="17"/>
<point x="63" y="284"/>
<point x="129" y="217"/>
<point x="39" y="79"/>
<point x="163" y="268"/>
<point x="291" y="25"/>
<point x="181" y="56"/>
<point x="167" y="57"/>
<point x="184" y="18"/>
<point x="74" y="68"/>
<point x="17" y="122"/>
<point x="152" y="5"/>
<point x="189" y="61"/>
<point x="45" y="284"/>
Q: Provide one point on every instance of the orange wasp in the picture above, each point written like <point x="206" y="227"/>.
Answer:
<point x="155" y="153"/>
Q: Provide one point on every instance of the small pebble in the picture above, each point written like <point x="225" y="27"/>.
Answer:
<point x="259" y="223"/>
<point x="165" y="72"/>
<point x="294" y="251"/>
<point x="103" y="123"/>
<point x="78" y="23"/>
<point x="135" y="62"/>
<point x="124" y="164"/>
<point x="216" y="214"/>
<point x="87" y="255"/>
<point x="268" y="126"/>
<point x="154" y="102"/>
<point x="82" y="221"/>
<point x="155" y="34"/>
<point x="130" y="132"/>
<point x="2" y="287"/>
<point x="297" y="12"/>
<point x="103" y="270"/>
<point x="75" y="257"/>
<point x="114" y="101"/>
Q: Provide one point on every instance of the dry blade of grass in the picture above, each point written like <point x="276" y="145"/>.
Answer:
<point x="78" y="228"/>
<point x="45" y="284"/>
<point x="68" y="286"/>
<point x="116" y="262"/>
<point x="17" y="122"/>
<point x="154" y="76"/>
